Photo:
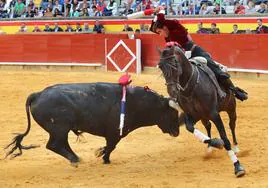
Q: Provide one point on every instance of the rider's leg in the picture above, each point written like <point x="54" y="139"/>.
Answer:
<point x="239" y="93"/>
<point x="222" y="77"/>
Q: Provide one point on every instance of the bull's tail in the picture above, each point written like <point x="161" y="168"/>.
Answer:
<point x="16" y="142"/>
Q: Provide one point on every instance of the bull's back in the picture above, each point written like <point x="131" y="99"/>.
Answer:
<point x="91" y="107"/>
<point x="79" y="104"/>
<point x="80" y="93"/>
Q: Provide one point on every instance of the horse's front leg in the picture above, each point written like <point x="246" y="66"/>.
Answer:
<point x="215" y="142"/>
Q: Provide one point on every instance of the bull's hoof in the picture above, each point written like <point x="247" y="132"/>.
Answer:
<point x="239" y="170"/>
<point x="216" y="143"/>
<point x="106" y="162"/>
<point x="106" y="159"/>
<point x="100" y="152"/>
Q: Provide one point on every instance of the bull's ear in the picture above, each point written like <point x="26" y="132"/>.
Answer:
<point x="159" y="50"/>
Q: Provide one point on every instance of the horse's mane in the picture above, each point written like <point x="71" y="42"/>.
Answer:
<point x="167" y="65"/>
<point x="176" y="50"/>
<point x="166" y="52"/>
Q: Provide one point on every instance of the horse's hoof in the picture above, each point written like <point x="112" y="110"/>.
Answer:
<point x="239" y="170"/>
<point x="75" y="164"/>
<point x="81" y="161"/>
<point x="210" y="149"/>
<point x="216" y="143"/>
<point x="240" y="173"/>
<point x="100" y="152"/>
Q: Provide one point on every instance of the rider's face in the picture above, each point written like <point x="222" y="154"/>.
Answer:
<point x="162" y="31"/>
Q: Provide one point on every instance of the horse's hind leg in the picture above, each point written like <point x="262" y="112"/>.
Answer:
<point x="239" y="170"/>
<point x="59" y="144"/>
<point x="232" y="125"/>
<point x="207" y="125"/>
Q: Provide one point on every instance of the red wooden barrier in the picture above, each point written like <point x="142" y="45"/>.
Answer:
<point x="235" y="51"/>
<point x="60" y="48"/>
<point x="123" y="55"/>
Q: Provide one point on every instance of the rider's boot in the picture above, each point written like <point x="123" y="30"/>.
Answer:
<point x="224" y="78"/>
<point x="238" y="92"/>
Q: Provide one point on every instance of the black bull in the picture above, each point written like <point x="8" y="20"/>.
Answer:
<point x="94" y="108"/>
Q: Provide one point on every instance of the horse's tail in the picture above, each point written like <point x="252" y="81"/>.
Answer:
<point x="16" y="142"/>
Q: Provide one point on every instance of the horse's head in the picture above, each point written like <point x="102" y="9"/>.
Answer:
<point x="171" y="64"/>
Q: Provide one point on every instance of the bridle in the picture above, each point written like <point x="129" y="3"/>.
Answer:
<point x="175" y="67"/>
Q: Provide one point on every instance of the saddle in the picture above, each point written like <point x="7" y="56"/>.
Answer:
<point x="201" y="62"/>
<point x="201" y="59"/>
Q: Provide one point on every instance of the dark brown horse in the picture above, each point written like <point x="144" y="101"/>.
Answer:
<point x="195" y="88"/>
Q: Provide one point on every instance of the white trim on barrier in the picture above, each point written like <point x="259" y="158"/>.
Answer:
<point x="99" y="64"/>
<point x="138" y="56"/>
<point x="105" y="46"/>
<point x="54" y="64"/>
<point x="248" y="70"/>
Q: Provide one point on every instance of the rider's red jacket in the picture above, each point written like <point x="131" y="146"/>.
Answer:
<point x="177" y="32"/>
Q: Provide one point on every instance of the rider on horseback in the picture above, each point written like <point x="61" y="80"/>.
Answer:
<point x="172" y="30"/>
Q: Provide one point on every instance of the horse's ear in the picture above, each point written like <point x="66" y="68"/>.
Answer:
<point x="159" y="50"/>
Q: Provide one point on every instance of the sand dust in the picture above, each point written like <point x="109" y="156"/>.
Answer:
<point x="146" y="158"/>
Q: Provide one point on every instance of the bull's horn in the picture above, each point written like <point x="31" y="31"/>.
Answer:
<point x="174" y="105"/>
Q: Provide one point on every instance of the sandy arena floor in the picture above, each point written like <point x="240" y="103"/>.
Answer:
<point x="146" y="158"/>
